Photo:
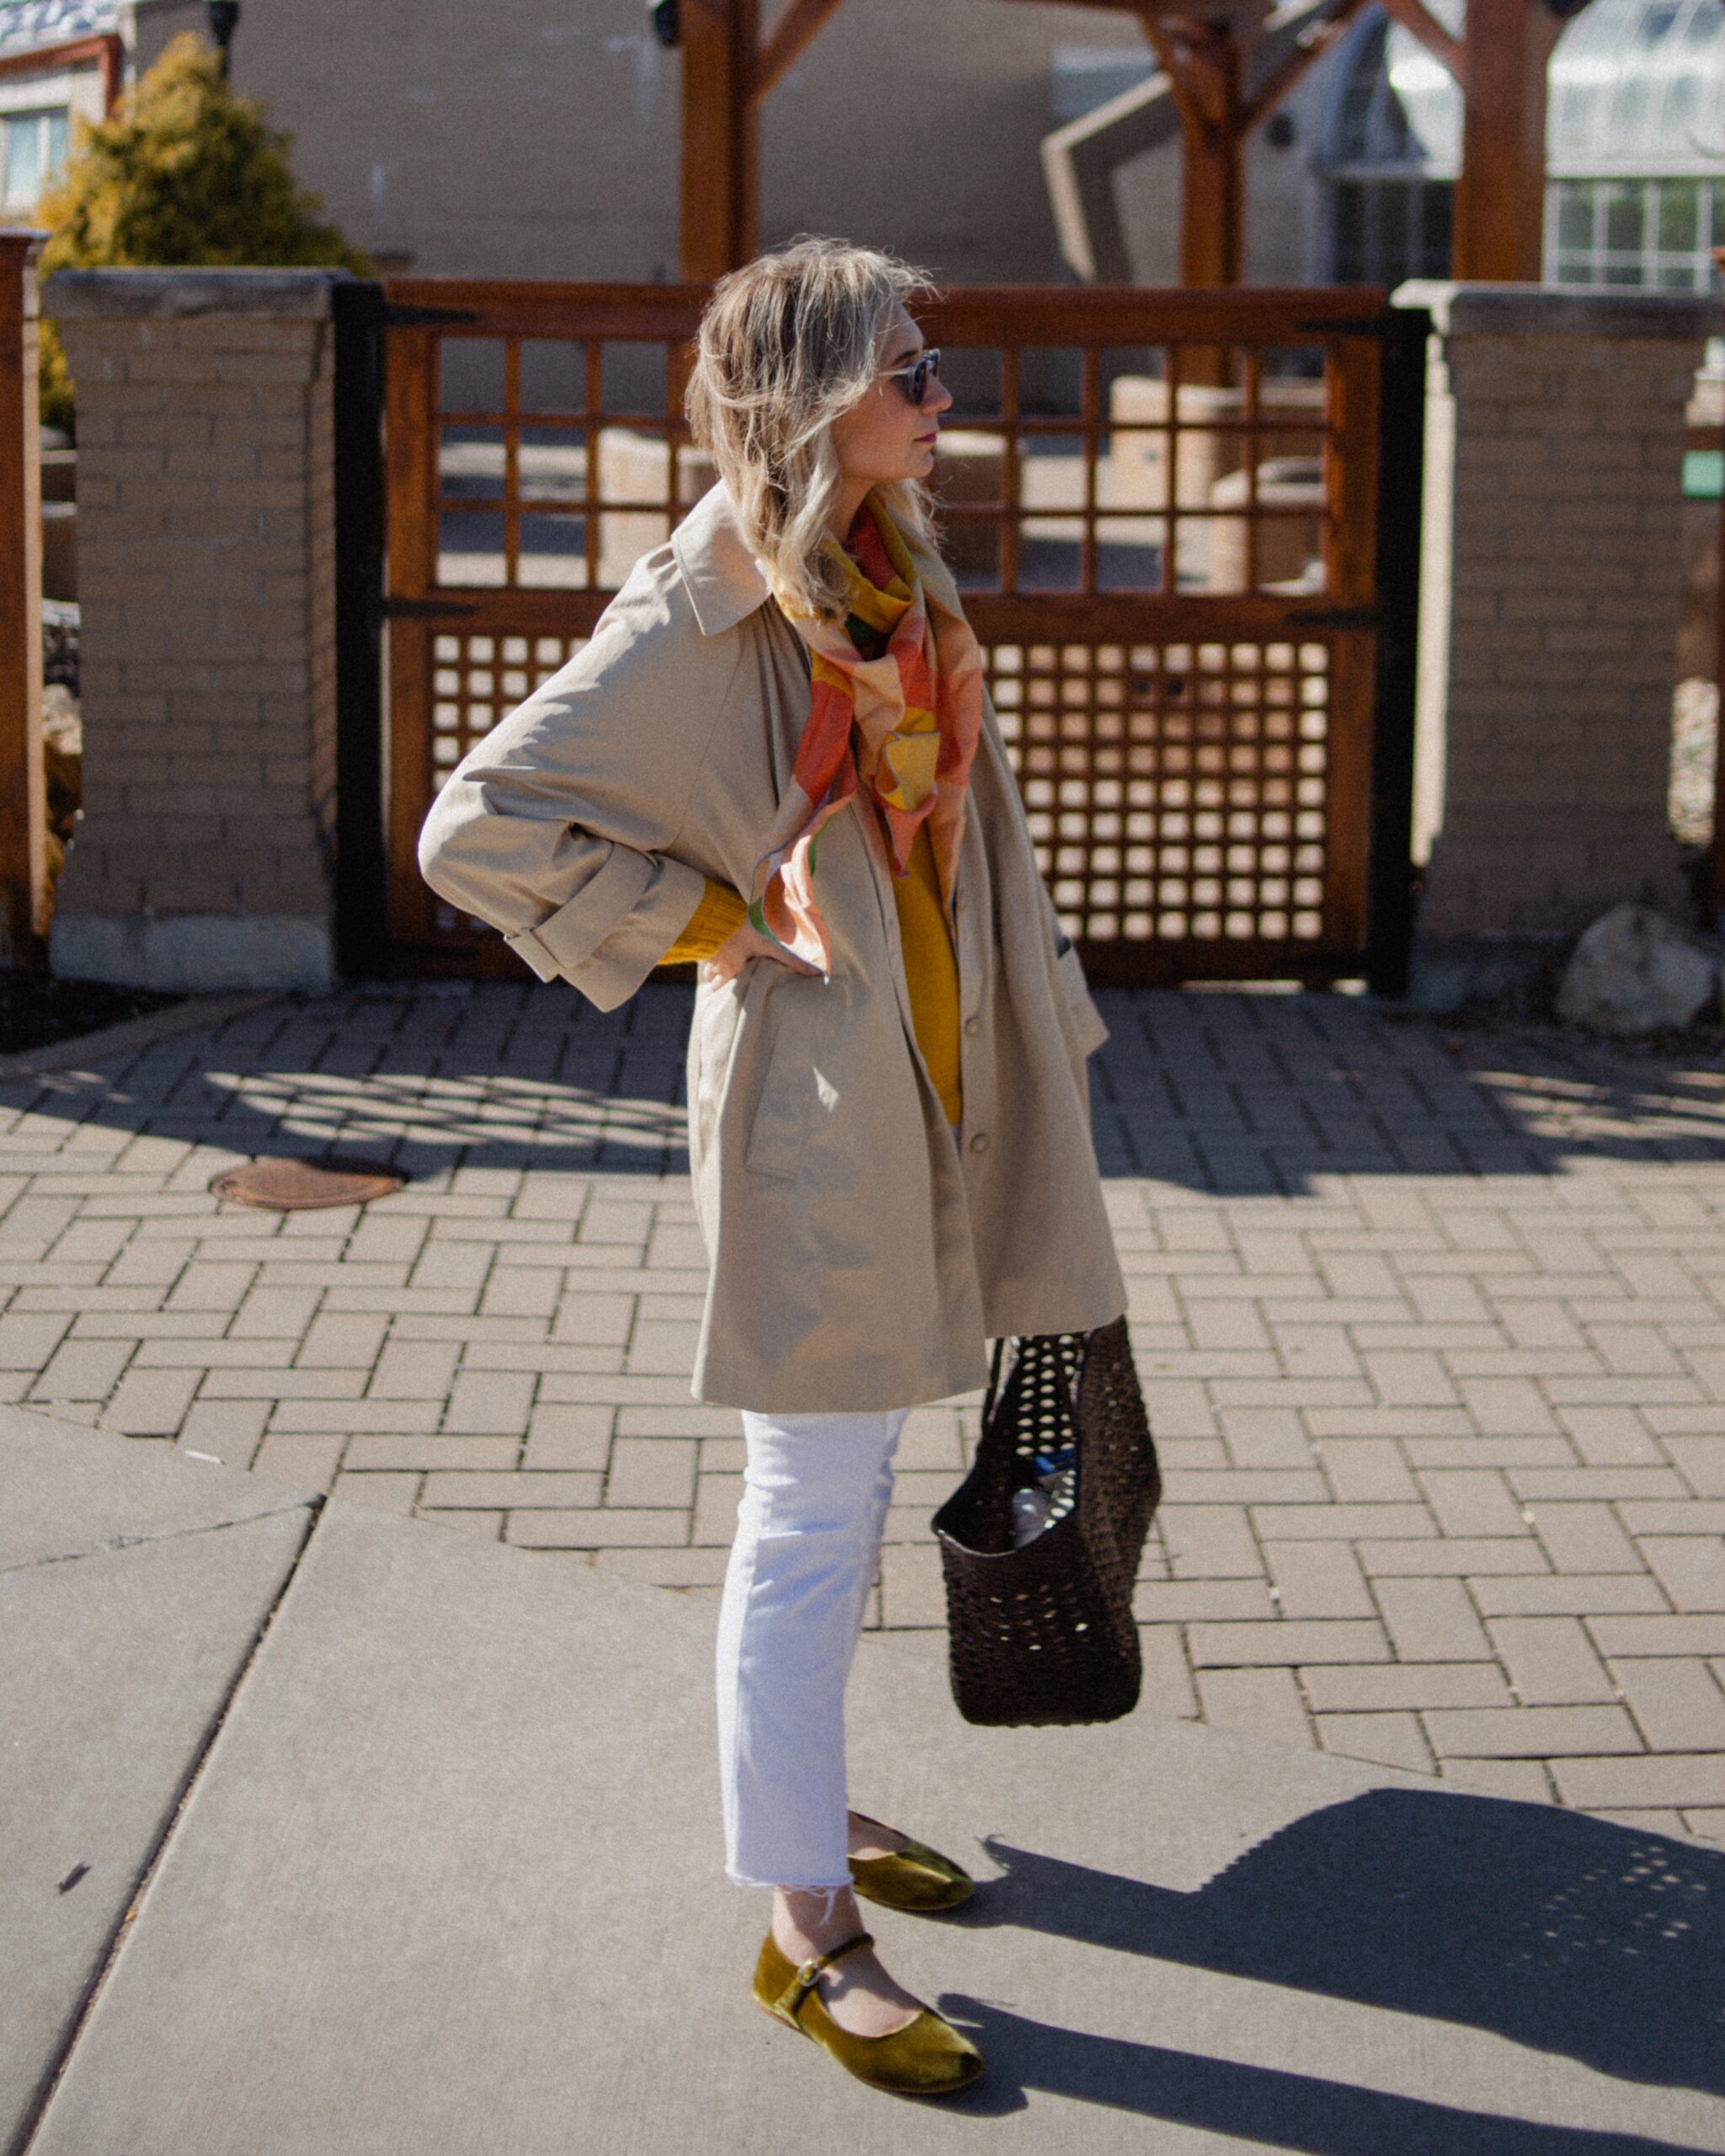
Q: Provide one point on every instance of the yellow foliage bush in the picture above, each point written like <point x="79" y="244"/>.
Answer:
<point x="185" y="173"/>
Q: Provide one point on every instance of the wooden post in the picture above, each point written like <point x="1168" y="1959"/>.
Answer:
<point x="721" y="160"/>
<point x="1500" y="200"/>
<point x="1205" y="63"/>
<point x="23" y="851"/>
<point x="1205" y="67"/>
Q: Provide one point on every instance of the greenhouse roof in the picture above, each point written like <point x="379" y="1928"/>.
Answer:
<point x="1637" y="86"/>
<point x="25" y="24"/>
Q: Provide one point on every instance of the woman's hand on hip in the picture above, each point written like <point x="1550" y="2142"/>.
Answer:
<point x="741" y="946"/>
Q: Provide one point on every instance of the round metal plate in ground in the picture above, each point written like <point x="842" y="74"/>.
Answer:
<point x="300" y="1186"/>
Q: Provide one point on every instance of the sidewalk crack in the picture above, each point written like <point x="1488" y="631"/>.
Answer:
<point x="35" y="2110"/>
<point x="115" y="1542"/>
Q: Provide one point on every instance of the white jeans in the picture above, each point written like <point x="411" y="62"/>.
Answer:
<point x="815" y="1492"/>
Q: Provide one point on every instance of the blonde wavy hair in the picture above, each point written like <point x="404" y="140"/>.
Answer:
<point x="788" y="343"/>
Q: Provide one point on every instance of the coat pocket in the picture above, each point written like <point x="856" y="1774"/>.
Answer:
<point x="788" y="1079"/>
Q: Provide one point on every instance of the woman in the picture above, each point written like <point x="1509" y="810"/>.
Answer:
<point x="776" y="757"/>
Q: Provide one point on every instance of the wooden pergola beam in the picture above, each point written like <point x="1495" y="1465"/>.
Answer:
<point x="1419" y="21"/>
<point x="1500" y="64"/>
<point x="1205" y="64"/>
<point x="1500" y="198"/>
<point x="1279" y="86"/>
<point x="719" y="226"/>
<point x="106" y="51"/>
<point x="796" y="30"/>
<point x="727" y="74"/>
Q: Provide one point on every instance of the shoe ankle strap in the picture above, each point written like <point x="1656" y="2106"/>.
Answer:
<point x="809" y="1974"/>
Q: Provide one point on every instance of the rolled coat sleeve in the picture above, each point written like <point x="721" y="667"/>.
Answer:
<point x="564" y="827"/>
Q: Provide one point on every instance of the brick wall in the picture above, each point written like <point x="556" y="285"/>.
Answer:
<point x="1551" y="591"/>
<point x="206" y="511"/>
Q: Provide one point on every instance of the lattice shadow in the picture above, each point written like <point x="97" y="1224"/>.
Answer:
<point x="1561" y="1932"/>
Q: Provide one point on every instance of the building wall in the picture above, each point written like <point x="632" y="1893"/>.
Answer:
<point x="531" y="138"/>
<point x="507" y="139"/>
<point x="1287" y="238"/>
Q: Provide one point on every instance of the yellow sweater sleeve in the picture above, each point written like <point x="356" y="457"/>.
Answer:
<point x="930" y="973"/>
<point x="720" y="913"/>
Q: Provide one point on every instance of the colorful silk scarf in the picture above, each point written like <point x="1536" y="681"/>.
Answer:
<point x="895" y="714"/>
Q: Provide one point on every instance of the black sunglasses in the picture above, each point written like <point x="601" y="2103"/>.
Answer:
<point x="917" y="376"/>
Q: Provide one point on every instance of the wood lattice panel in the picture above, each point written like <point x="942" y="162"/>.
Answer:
<point x="480" y="680"/>
<point x="1176" y="792"/>
<point x="1168" y="468"/>
<point x="1162" y="508"/>
<point x="476" y="682"/>
<point x="560" y="462"/>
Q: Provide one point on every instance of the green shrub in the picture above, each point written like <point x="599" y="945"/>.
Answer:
<point x="55" y="377"/>
<point x="185" y="173"/>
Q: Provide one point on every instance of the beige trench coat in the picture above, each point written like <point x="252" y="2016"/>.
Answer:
<point x="859" y="1259"/>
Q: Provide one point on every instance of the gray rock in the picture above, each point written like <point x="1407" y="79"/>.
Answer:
<point x="1635" y="971"/>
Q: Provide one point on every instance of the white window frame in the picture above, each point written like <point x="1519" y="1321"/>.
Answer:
<point x="74" y="91"/>
<point x="1597" y="262"/>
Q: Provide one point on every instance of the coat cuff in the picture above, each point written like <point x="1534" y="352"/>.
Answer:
<point x="616" y="929"/>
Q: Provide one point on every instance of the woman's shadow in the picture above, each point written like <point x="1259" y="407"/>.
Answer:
<point x="1558" y="1931"/>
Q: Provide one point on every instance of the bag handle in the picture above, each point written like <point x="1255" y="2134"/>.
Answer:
<point x="1070" y="1392"/>
<point x="994" y="1382"/>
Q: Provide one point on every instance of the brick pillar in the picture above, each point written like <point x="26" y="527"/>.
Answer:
<point x="1551" y="586"/>
<point x="206" y="529"/>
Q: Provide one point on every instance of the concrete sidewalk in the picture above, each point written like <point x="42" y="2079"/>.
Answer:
<point x="336" y="1834"/>
<point x="1432" y="1325"/>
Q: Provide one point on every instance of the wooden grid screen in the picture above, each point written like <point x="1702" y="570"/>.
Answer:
<point x="559" y="463"/>
<point x="477" y="680"/>
<point x="1177" y="792"/>
<point x="1144" y="480"/>
<point x="1160" y="507"/>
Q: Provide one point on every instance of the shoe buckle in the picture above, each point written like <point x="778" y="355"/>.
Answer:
<point x="808" y="1975"/>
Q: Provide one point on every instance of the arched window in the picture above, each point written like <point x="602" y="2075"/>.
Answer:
<point x="1392" y="149"/>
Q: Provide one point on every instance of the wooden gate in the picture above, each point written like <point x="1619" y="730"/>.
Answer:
<point x="1190" y="564"/>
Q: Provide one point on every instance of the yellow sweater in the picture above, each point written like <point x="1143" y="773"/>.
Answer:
<point x="930" y="968"/>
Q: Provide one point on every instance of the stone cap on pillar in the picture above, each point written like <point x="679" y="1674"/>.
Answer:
<point x="176" y="294"/>
<point x="1561" y="311"/>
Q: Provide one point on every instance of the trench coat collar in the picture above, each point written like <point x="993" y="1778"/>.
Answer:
<point x="722" y="579"/>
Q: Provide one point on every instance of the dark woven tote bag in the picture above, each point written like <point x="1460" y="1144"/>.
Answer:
<point x="1045" y="1634"/>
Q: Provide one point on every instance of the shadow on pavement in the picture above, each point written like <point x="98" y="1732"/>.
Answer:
<point x="1255" y="2103"/>
<point x="1244" y="1095"/>
<point x="1561" y="1932"/>
<point x="1233" y="1095"/>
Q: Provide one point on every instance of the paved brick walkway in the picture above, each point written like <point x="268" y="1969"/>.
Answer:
<point x="1432" y="1325"/>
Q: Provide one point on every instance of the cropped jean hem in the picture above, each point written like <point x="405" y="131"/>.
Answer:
<point x="792" y="1886"/>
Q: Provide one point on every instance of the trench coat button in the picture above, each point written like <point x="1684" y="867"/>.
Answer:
<point x="973" y="1027"/>
<point x="979" y="1144"/>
